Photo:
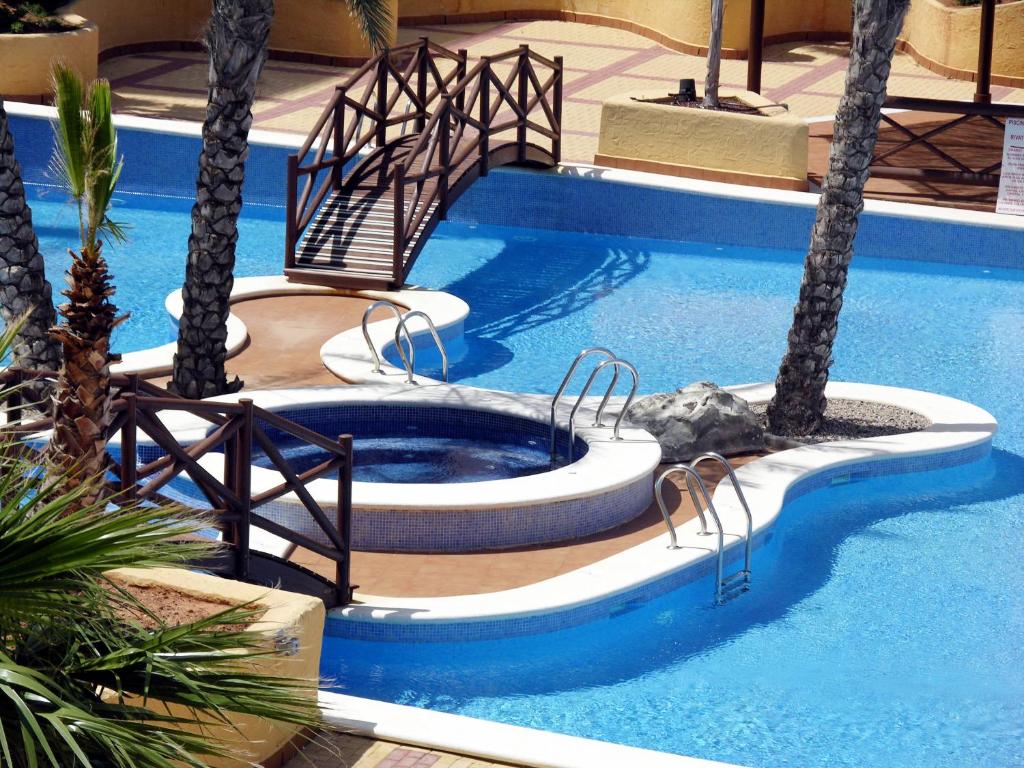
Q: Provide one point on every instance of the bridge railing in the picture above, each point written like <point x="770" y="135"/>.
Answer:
<point x="234" y="429"/>
<point x="473" y="116"/>
<point x="397" y="90"/>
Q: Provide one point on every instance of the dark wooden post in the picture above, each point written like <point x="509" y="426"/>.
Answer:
<point x="986" y="33"/>
<point x="291" y="212"/>
<point x="755" y="46"/>
<point x="556" y="145"/>
<point x="243" y="489"/>
<point x="129" y="458"/>
<point x="444" y="150"/>
<point x="485" y="113"/>
<point x="343" y="569"/>
<point x="421" y="86"/>
<point x="460" y="70"/>
<point x="397" y="264"/>
<point x="338" y="148"/>
<point x="522" y="100"/>
<point x="382" y="99"/>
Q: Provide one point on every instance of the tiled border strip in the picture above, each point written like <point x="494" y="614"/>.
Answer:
<point x="959" y="433"/>
<point x="489" y="740"/>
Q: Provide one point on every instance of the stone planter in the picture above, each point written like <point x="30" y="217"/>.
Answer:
<point x="290" y="621"/>
<point x="768" y="150"/>
<point x="25" y="60"/>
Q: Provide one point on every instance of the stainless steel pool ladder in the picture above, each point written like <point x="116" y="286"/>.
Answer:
<point x="737" y="583"/>
<point x="617" y="364"/>
<point x="408" y="360"/>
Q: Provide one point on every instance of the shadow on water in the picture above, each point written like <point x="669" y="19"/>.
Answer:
<point x="797" y="562"/>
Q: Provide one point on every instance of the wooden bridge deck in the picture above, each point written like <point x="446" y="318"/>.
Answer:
<point x="365" y="228"/>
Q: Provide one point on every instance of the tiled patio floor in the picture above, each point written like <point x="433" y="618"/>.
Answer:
<point x="599" y="62"/>
<point x="347" y="751"/>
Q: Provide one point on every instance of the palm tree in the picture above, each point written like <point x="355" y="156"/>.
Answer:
<point x="87" y="161"/>
<point x="237" y="40"/>
<point x="714" y="54"/>
<point x="26" y="299"/>
<point x="799" y="401"/>
<point x="85" y="666"/>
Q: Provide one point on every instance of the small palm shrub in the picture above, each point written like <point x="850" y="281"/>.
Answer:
<point x="85" y="667"/>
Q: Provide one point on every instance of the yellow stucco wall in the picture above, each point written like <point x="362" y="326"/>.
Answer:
<point x="935" y="34"/>
<point x="321" y="27"/>
<point x="25" y="60"/>
<point x="292" y="615"/>
<point x="948" y="36"/>
<point x="688" y="141"/>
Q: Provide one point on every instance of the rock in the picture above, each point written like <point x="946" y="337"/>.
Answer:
<point x="697" y="418"/>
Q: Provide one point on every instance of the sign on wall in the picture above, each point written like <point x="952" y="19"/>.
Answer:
<point x="1011" y="175"/>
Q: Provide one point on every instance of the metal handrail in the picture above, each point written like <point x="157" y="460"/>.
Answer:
<point x="369" y="343"/>
<point x="617" y="362"/>
<point x="720" y="459"/>
<point x="674" y="544"/>
<point x="565" y="382"/>
<point x="402" y="326"/>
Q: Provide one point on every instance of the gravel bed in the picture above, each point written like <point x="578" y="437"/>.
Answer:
<point x="851" y="419"/>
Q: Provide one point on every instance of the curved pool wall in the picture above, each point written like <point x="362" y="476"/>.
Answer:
<point x="610" y="484"/>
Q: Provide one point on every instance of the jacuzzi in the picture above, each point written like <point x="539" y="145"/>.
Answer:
<point x="454" y="469"/>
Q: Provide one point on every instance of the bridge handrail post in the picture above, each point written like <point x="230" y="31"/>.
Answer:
<point x="291" y="212"/>
<point x="398" y="266"/>
<point x="485" y="112"/>
<point x="460" y="69"/>
<point x="556" y="143"/>
<point x="524" y="100"/>
<point x="129" y="460"/>
<point x="444" y="126"/>
<point x="338" y="148"/>
<point x="382" y="99"/>
<point x="343" y="520"/>
<point x="421" y="84"/>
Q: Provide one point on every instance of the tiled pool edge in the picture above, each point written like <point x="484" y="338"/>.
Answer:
<point x="960" y="433"/>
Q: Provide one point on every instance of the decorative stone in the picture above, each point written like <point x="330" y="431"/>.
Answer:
<point x="697" y="418"/>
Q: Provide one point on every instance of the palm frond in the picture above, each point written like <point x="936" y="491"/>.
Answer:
<point x="70" y="128"/>
<point x="374" y="20"/>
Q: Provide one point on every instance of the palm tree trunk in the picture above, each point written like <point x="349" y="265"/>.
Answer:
<point x="25" y="294"/>
<point x="714" y="54"/>
<point x="799" y="401"/>
<point x="237" y="39"/>
<point x="82" y="399"/>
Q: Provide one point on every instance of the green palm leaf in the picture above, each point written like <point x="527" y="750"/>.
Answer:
<point x="374" y="19"/>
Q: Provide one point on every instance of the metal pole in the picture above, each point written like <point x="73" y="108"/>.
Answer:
<point x="755" y="46"/>
<point x="986" y="33"/>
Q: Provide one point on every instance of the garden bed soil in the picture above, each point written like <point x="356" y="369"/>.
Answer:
<point x="855" y="419"/>
<point x="174" y="607"/>
<point x="725" y="104"/>
<point x="18" y="18"/>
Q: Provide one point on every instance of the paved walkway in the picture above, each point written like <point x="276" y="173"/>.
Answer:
<point x="599" y="61"/>
<point x="341" y="750"/>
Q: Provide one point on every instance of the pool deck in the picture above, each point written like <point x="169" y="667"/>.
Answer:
<point x="600" y="62"/>
<point x="345" y="750"/>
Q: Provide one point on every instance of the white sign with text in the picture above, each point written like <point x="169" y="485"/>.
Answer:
<point x="1011" y="175"/>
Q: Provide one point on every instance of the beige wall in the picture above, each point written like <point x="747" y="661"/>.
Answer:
<point x="942" y="37"/>
<point x="319" y="27"/>
<point x="750" y="149"/>
<point x="25" y="60"/>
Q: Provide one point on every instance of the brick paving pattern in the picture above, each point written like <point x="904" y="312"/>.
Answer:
<point x="348" y="751"/>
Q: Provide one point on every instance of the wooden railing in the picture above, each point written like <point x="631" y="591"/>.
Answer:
<point x="480" y="107"/>
<point x="946" y="167"/>
<point x="454" y="115"/>
<point x="143" y="471"/>
<point x="360" y="112"/>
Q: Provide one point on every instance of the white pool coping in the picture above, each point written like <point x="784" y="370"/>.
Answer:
<point x="488" y="739"/>
<point x="956" y="425"/>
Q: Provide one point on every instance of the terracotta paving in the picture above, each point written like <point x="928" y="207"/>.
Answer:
<point x="343" y="750"/>
<point x="435" y="575"/>
<point x="599" y="61"/>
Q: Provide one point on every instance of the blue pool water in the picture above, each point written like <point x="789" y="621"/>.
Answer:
<point x="412" y="444"/>
<point x="152" y="263"/>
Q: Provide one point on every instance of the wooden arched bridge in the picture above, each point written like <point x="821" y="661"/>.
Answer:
<point x="410" y="131"/>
